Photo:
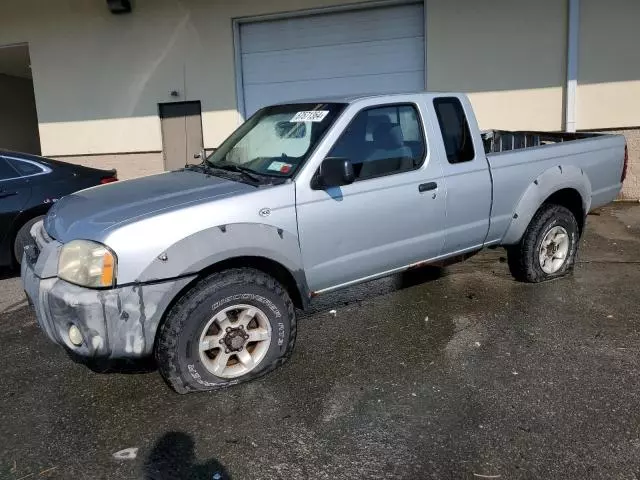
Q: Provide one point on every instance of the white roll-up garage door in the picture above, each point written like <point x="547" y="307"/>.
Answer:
<point x="377" y="50"/>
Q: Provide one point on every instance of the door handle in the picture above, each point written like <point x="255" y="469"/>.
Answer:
<point x="425" y="187"/>
<point x="7" y="194"/>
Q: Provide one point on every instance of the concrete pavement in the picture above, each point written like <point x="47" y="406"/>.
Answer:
<point x="466" y="374"/>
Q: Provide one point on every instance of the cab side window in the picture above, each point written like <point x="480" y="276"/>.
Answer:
<point x="455" y="129"/>
<point x="383" y="141"/>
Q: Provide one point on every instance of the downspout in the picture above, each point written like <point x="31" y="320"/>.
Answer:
<point x="573" y="40"/>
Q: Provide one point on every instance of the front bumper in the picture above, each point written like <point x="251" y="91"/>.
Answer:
<point x="115" y="323"/>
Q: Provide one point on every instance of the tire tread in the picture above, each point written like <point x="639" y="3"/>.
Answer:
<point x="521" y="257"/>
<point x="169" y="331"/>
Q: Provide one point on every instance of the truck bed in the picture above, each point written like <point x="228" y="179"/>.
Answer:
<point x="496" y="141"/>
<point x="518" y="158"/>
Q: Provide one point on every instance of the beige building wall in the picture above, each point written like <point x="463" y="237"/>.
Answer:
<point x="508" y="55"/>
<point x="99" y="77"/>
<point x="608" y="93"/>
<point x="18" y="119"/>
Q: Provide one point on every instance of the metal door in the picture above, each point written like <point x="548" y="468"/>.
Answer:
<point x="467" y="175"/>
<point x="181" y="124"/>
<point x="376" y="225"/>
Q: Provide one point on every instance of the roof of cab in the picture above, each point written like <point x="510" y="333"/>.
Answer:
<point x="355" y="98"/>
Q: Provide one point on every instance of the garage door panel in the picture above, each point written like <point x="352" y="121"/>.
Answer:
<point x="329" y="29"/>
<point x="328" y="62"/>
<point x="377" y="50"/>
<point x="257" y="96"/>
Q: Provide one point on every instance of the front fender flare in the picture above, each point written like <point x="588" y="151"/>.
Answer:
<point x="216" y="244"/>
<point x="552" y="180"/>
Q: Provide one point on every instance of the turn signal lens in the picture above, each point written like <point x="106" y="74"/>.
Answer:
<point x="108" y="264"/>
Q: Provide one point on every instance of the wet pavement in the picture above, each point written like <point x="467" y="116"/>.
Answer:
<point x="460" y="373"/>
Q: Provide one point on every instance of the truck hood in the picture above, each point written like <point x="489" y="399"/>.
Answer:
<point x="88" y="214"/>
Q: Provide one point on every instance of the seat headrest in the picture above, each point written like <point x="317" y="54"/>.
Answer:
<point x="387" y="137"/>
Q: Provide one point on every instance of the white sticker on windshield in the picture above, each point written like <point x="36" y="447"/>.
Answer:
<point x="311" y="116"/>
<point x="280" y="167"/>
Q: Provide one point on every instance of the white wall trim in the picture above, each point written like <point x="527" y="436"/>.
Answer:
<point x="573" y="45"/>
<point x="238" y="21"/>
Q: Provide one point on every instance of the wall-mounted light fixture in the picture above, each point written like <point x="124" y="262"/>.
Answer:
<point x="119" y="6"/>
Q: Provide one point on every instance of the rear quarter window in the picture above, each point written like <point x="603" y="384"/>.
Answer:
<point x="7" y="171"/>
<point x="25" y="168"/>
<point x="455" y="129"/>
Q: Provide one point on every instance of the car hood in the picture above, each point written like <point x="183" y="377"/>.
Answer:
<point x="88" y="214"/>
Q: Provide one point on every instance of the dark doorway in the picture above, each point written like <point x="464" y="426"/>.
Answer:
<point x="18" y="117"/>
<point x="181" y="124"/>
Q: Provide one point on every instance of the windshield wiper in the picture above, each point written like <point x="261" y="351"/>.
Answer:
<point x="246" y="172"/>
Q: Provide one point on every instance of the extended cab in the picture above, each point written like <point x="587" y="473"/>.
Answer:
<point x="203" y="267"/>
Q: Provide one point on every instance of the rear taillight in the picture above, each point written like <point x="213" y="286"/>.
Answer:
<point x="104" y="180"/>
<point x="626" y="163"/>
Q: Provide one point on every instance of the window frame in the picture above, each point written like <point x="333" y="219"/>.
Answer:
<point x="425" y="145"/>
<point x="466" y="121"/>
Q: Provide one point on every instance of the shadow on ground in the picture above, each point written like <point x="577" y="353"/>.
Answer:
<point x="375" y="288"/>
<point x="119" y="366"/>
<point x="173" y="458"/>
<point x="6" y="272"/>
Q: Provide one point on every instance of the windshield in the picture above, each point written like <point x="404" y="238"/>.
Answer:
<point x="277" y="140"/>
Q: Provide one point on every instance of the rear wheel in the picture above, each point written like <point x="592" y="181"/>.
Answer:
<point x="548" y="247"/>
<point x="23" y="238"/>
<point x="232" y="327"/>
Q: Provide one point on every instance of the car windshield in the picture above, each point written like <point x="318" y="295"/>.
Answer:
<point x="277" y="140"/>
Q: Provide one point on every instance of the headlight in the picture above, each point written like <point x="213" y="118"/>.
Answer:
<point x="88" y="264"/>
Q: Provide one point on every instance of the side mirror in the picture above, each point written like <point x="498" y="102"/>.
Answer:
<point x="334" y="172"/>
<point x="201" y="155"/>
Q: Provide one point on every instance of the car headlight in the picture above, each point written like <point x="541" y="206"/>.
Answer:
<point x="88" y="264"/>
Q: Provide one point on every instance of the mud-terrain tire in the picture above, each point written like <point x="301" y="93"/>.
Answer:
<point x="23" y="238"/>
<point x="526" y="259"/>
<point x="212" y="314"/>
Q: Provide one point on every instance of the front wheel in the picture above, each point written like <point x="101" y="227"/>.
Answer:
<point x="548" y="247"/>
<point x="231" y="327"/>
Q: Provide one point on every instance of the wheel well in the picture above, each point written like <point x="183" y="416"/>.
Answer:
<point x="571" y="200"/>
<point x="18" y="224"/>
<point x="270" y="267"/>
<point x="266" y="265"/>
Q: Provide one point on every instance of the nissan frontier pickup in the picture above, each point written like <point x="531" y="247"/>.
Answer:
<point x="204" y="267"/>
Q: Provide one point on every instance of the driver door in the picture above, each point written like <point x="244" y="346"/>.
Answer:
<point x="392" y="216"/>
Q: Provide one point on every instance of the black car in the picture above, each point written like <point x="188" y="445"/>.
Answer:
<point x="29" y="186"/>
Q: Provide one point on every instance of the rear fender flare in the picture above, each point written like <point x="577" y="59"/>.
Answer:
<point x="556" y="178"/>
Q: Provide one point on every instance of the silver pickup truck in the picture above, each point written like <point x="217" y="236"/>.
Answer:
<point x="204" y="267"/>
